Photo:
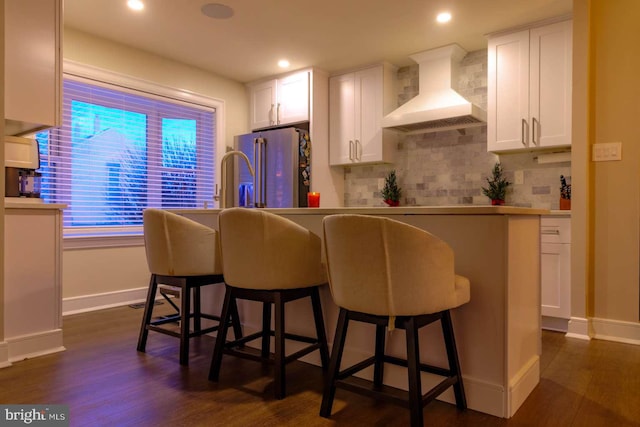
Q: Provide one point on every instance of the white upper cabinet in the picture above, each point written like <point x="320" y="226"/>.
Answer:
<point x="280" y="101"/>
<point x="357" y="103"/>
<point x="33" y="66"/>
<point x="529" y="79"/>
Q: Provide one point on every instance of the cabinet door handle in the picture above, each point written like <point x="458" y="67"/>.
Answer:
<point x="271" y="121"/>
<point x="534" y="124"/>
<point x="553" y="232"/>
<point x="278" y="113"/>
<point x="351" y="150"/>
<point x="358" y="154"/>
<point x="523" y="134"/>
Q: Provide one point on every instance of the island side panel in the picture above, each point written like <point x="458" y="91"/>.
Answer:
<point x="524" y="333"/>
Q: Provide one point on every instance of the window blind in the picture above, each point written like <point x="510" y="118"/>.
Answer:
<point x="120" y="151"/>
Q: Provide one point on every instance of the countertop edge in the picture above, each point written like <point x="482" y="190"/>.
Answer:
<point x="414" y="210"/>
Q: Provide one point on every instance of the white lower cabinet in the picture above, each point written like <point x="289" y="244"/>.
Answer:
<point x="32" y="280"/>
<point x="555" y="272"/>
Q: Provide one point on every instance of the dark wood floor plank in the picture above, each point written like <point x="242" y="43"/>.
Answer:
<point x="105" y="381"/>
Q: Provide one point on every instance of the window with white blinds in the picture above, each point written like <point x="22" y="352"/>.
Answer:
<point x="120" y="151"/>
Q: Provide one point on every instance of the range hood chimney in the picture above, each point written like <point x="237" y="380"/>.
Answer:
<point x="437" y="107"/>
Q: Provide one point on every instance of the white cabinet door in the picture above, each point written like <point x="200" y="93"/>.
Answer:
<point x="368" y="92"/>
<point x="32" y="65"/>
<point x="508" y="96"/>
<point x="356" y="108"/>
<point x="342" y="119"/>
<point x="556" y="280"/>
<point x="263" y="103"/>
<point x="292" y="105"/>
<point x="529" y="89"/>
<point x="550" y="85"/>
<point x="280" y="101"/>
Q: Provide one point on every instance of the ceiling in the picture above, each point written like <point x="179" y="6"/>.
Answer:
<point x="329" y="34"/>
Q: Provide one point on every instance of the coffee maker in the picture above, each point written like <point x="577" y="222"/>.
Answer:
<point x="22" y="158"/>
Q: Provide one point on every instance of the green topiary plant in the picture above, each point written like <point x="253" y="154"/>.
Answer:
<point x="391" y="192"/>
<point x="497" y="186"/>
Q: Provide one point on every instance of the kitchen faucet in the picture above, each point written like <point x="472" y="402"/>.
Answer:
<point x="222" y="193"/>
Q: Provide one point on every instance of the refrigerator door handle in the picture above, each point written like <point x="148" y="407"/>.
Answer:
<point x="259" y="191"/>
<point x="256" y="174"/>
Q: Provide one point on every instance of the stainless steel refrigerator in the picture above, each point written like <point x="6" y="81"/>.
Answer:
<point x="281" y="161"/>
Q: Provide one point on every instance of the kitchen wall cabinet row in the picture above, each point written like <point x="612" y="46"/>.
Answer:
<point x="33" y="65"/>
<point x="357" y="102"/>
<point x="280" y="101"/>
<point x="529" y="88"/>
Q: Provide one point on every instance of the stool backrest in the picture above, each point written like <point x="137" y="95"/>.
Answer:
<point x="261" y="250"/>
<point x="384" y="267"/>
<point x="178" y="246"/>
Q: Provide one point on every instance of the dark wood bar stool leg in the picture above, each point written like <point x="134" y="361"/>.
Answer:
<point x="185" y="321"/>
<point x="197" y="323"/>
<point x="452" y="356"/>
<point x="279" y="362"/>
<point x="378" y="369"/>
<point x="148" y="311"/>
<point x="221" y="337"/>
<point x="334" y="365"/>
<point x="320" y="330"/>
<point x="266" y="328"/>
<point x="413" y="365"/>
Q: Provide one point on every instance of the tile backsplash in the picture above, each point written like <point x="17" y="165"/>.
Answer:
<point x="451" y="167"/>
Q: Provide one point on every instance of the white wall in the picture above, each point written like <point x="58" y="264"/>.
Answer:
<point x="109" y="272"/>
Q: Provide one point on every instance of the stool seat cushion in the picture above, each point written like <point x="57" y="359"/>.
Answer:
<point x="261" y="250"/>
<point x="384" y="267"/>
<point x="178" y="246"/>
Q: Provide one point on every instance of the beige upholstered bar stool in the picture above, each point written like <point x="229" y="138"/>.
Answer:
<point x="386" y="272"/>
<point x="269" y="259"/>
<point x="183" y="254"/>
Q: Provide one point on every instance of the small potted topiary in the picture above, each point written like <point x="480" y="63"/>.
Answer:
<point x="391" y="192"/>
<point x="497" y="186"/>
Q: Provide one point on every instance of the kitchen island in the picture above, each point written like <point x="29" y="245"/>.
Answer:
<point x="498" y="332"/>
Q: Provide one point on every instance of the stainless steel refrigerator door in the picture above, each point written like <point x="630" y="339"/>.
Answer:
<point x="274" y="155"/>
<point x="278" y="152"/>
<point x="243" y="182"/>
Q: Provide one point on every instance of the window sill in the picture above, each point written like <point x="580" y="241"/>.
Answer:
<point x="94" y="241"/>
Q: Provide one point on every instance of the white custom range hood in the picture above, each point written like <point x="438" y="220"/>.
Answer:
<point x="437" y="107"/>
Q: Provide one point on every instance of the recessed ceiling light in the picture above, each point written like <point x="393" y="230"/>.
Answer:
<point x="217" y="11"/>
<point x="135" y="4"/>
<point x="283" y="63"/>
<point x="443" y="17"/>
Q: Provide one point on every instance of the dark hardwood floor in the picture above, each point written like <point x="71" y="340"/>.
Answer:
<point x="105" y="381"/>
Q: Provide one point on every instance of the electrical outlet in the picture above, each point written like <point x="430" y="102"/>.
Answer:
<point x="606" y="152"/>
<point x="518" y="177"/>
<point x="380" y="183"/>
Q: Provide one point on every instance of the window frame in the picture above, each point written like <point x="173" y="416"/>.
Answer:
<point x="92" y="237"/>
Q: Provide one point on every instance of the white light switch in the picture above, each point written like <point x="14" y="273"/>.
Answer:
<point x="607" y="152"/>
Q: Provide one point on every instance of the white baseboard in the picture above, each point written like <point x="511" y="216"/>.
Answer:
<point x="555" y="324"/>
<point x="616" y="330"/>
<point x="82" y="304"/>
<point x="4" y="354"/>
<point x="578" y="327"/>
<point x="522" y="384"/>
<point x="34" y="345"/>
